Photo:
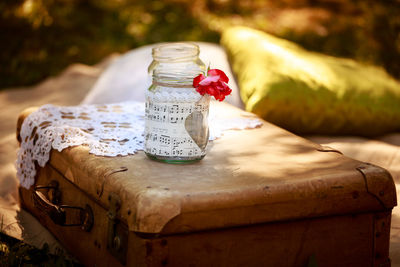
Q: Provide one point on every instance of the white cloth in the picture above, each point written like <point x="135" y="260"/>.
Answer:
<point x="108" y="130"/>
<point x="126" y="79"/>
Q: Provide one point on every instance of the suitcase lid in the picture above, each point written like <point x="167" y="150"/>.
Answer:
<point x="247" y="177"/>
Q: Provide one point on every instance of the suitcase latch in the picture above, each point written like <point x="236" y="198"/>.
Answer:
<point x="117" y="234"/>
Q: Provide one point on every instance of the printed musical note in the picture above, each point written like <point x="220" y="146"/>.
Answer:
<point x="174" y="108"/>
<point x="164" y="139"/>
<point x="166" y="124"/>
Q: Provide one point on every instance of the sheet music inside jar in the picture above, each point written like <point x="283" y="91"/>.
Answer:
<point x="176" y="118"/>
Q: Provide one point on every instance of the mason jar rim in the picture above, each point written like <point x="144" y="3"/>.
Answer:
<point x="175" y="51"/>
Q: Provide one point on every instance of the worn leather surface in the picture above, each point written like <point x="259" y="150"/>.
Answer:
<point x="383" y="151"/>
<point x="69" y="88"/>
<point x="248" y="177"/>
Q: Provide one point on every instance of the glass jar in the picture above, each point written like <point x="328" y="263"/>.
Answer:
<point x="176" y="116"/>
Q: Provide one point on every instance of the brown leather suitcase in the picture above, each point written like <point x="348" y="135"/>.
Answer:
<point x="261" y="197"/>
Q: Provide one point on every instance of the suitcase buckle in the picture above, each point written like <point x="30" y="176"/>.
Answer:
<point x="48" y="202"/>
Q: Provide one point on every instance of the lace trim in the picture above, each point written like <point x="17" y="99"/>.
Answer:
<point x="108" y="130"/>
<point x="170" y="94"/>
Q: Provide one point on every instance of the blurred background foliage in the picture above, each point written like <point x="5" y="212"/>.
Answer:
<point x="39" y="38"/>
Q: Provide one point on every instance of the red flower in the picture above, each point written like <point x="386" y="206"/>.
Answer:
<point x="215" y="84"/>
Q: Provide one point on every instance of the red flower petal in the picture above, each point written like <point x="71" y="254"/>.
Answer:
<point x="224" y="88"/>
<point x="198" y="79"/>
<point x="209" y="79"/>
<point x="210" y="90"/>
<point x="201" y="90"/>
<point x="213" y="84"/>
<point x="220" y="73"/>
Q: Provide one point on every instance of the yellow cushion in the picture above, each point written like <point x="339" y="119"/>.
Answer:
<point x="310" y="93"/>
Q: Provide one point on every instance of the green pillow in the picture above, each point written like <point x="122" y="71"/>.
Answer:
<point x="311" y="93"/>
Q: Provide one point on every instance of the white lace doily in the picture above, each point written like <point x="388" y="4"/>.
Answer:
<point x="108" y="130"/>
